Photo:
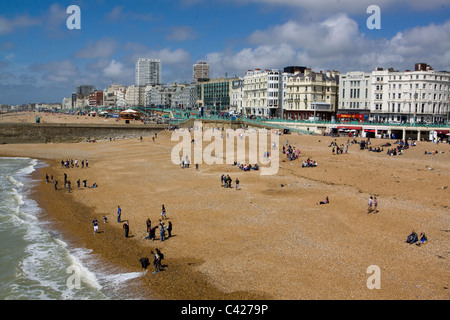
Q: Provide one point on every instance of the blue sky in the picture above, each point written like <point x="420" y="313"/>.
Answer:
<point x="41" y="60"/>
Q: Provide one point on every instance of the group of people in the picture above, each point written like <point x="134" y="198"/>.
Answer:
<point x="70" y="163"/>
<point x="225" y="181"/>
<point x="309" y="163"/>
<point x="402" y="146"/>
<point x="413" y="238"/>
<point x="247" y="167"/>
<point x="158" y="256"/>
<point x="378" y="149"/>
<point x="291" y="152"/>
<point x="163" y="228"/>
<point x="372" y="205"/>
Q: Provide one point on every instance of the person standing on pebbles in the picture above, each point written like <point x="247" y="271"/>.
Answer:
<point x="163" y="213"/>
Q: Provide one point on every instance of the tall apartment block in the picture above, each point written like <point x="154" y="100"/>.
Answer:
<point x="201" y="72"/>
<point x="148" y="71"/>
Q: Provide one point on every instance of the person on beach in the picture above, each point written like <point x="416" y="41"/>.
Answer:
<point x="237" y="183"/>
<point x="325" y="201"/>
<point x="375" y="205"/>
<point x="162" y="231"/>
<point x="144" y="263"/>
<point x="369" y="206"/>
<point x="105" y="219"/>
<point x="56" y="184"/>
<point x="163" y="212"/>
<point x="155" y="260"/>
<point x="423" y="239"/>
<point x="151" y="233"/>
<point x="222" y="179"/>
<point x="169" y="230"/>
<point x="95" y="223"/>
<point x="119" y="213"/>
<point x="46" y="177"/>
<point x="161" y="257"/>
<point x="149" y="225"/>
<point x="126" y="227"/>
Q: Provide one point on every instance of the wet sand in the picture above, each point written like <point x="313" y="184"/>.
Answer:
<point x="270" y="239"/>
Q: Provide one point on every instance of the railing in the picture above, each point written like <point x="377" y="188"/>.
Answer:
<point x="420" y="125"/>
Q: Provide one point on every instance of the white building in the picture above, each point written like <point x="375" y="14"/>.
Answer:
<point x="354" y="96"/>
<point x="391" y="96"/>
<point x="262" y="93"/>
<point x="419" y="96"/>
<point x="180" y="96"/>
<point x="237" y="95"/>
<point x="148" y="71"/>
<point x="135" y="96"/>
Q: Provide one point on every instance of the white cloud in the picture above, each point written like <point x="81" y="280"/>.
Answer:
<point x="57" y="71"/>
<point x="102" y="48"/>
<point x="115" y="69"/>
<point x="336" y="43"/>
<point x="11" y="25"/>
<point x="350" y="6"/>
<point x="181" y="33"/>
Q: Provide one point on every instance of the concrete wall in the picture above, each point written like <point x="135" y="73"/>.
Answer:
<point x="48" y="133"/>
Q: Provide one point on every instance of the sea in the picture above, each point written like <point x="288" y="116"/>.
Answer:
<point x="36" y="262"/>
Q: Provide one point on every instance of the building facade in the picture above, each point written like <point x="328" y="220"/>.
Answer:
<point x="418" y="96"/>
<point x="263" y="93"/>
<point x="200" y="71"/>
<point x="96" y="98"/>
<point x="312" y="95"/>
<point x="354" y="96"/>
<point x="148" y="72"/>
<point x="214" y="94"/>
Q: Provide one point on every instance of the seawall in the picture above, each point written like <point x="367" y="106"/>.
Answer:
<point x="51" y="133"/>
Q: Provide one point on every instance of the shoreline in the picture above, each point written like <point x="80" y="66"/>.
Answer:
<point x="72" y="219"/>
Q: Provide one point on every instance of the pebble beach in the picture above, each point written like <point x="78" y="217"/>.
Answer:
<point x="268" y="240"/>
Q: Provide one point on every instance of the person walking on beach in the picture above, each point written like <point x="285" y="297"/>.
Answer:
<point x="155" y="261"/>
<point x="56" y="184"/>
<point x="149" y="225"/>
<point x="369" y="206"/>
<point x="237" y="183"/>
<point x="169" y="230"/>
<point x="95" y="223"/>
<point x="163" y="212"/>
<point x="160" y="258"/>
<point x="119" y="213"/>
<point x="375" y="205"/>
<point x="126" y="227"/>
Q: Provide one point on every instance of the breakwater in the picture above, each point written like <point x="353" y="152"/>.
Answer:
<point x="56" y="133"/>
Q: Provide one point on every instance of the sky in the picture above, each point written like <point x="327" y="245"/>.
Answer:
<point x="42" y="60"/>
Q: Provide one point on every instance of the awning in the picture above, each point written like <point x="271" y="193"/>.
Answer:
<point x="442" y="131"/>
<point x="369" y="130"/>
<point x="350" y="128"/>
